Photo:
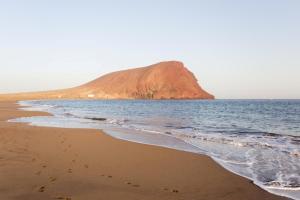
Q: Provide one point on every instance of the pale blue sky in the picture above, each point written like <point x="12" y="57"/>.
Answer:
<point x="237" y="49"/>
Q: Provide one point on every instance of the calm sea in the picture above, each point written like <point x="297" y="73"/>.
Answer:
<point x="257" y="139"/>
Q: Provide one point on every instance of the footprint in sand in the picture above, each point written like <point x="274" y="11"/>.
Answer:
<point x="175" y="191"/>
<point x="64" y="198"/>
<point x="44" y="166"/>
<point x="135" y="185"/>
<point x="132" y="185"/>
<point x="73" y="161"/>
<point x="69" y="170"/>
<point x="38" y="173"/>
<point x="42" y="189"/>
<point x="52" y="179"/>
<point x="86" y="166"/>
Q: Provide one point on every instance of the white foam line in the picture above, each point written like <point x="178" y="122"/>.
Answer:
<point x="256" y="182"/>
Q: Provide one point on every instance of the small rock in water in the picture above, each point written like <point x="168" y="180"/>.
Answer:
<point x="97" y="118"/>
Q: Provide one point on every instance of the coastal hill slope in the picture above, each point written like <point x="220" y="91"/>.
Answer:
<point x="164" y="80"/>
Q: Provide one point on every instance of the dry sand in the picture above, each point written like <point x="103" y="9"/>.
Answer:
<point x="55" y="163"/>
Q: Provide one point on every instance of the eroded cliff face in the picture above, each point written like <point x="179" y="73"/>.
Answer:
<point x="164" y="80"/>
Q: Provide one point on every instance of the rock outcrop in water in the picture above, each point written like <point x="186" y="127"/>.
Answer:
<point x="165" y="80"/>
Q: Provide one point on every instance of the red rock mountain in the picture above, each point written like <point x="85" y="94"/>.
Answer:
<point x="164" y="80"/>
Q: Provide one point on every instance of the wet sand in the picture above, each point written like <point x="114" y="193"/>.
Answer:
<point x="40" y="163"/>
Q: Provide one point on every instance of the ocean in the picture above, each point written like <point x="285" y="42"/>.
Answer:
<point x="257" y="139"/>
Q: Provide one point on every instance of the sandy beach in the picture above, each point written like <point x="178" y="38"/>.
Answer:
<point x="54" y="163"/>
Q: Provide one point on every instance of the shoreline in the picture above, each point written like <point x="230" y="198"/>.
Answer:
<point x="93" y="165"/>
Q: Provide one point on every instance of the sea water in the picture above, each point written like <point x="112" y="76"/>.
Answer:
<point x="257" y="139"/>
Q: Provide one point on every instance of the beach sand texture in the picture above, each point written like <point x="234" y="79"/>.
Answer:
<point x="40" y="163"/>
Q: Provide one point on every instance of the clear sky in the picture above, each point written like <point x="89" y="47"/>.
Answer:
<point x="236" y="48"/>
